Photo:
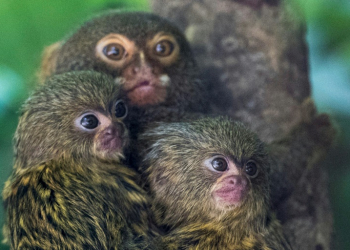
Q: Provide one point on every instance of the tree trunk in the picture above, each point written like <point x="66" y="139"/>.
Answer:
<point x="254" y="54"/>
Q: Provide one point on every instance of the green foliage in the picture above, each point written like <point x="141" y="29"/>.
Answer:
<point x="332" y="19"/>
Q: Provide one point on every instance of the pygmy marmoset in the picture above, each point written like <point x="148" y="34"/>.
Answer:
<point x="149" y="56"/>
<point x="69" y="188"/>
<point x="209" y="184"/>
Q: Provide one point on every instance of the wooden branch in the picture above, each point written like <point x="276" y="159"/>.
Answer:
<point x="253" y="54"/>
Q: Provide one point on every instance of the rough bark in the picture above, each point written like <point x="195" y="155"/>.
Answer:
<point x="254" y="54"/>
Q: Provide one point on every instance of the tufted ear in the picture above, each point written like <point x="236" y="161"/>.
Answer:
<point x="48" y="61"/>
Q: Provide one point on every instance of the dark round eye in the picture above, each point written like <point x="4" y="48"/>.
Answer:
<point x="251" y="169"/>
<point x="114" y="51"/>
<point x="219" y="164"/>
<point x="89" y="121"/>
<point x="164" y="48"/>
<point x="120" y="109"/>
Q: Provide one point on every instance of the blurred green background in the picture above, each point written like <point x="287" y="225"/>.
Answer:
<point x="26" y="27"/>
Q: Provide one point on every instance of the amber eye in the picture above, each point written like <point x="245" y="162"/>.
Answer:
<point x="251" y="169"/>
<point x="164" y="48"/>
<point x="89" y="121"/>
<point x="120" y="109"/>
<point x="114" y="51"/>
<point x="219" y="164"/>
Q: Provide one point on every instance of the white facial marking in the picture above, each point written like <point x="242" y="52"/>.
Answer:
<point x="164" y="80"/>
<point x="120" y="80"/>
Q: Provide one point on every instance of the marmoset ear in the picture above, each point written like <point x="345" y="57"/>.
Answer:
<point x="48" y="61"/>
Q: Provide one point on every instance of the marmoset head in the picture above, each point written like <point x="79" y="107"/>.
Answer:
<point x="209" y="169"/>
<point x="148" y="55"/>
<point x="78" y="114"/>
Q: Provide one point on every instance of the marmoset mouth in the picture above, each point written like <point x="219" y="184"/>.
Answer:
<point x="141" y="85"/>
<point x="147" y="92"/>
<point x="144" y="83"/>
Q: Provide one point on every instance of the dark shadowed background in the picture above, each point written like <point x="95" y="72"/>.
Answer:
<point x="26" y="27"/>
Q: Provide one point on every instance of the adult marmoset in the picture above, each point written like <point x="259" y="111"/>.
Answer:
<point x="148" y="54"/>
<point x="209" y="182"/>
<point x="69" y="188"/>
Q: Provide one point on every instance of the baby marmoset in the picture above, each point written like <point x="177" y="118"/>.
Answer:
<point x="69" y="189"/>
<point x="209" y="182"/>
